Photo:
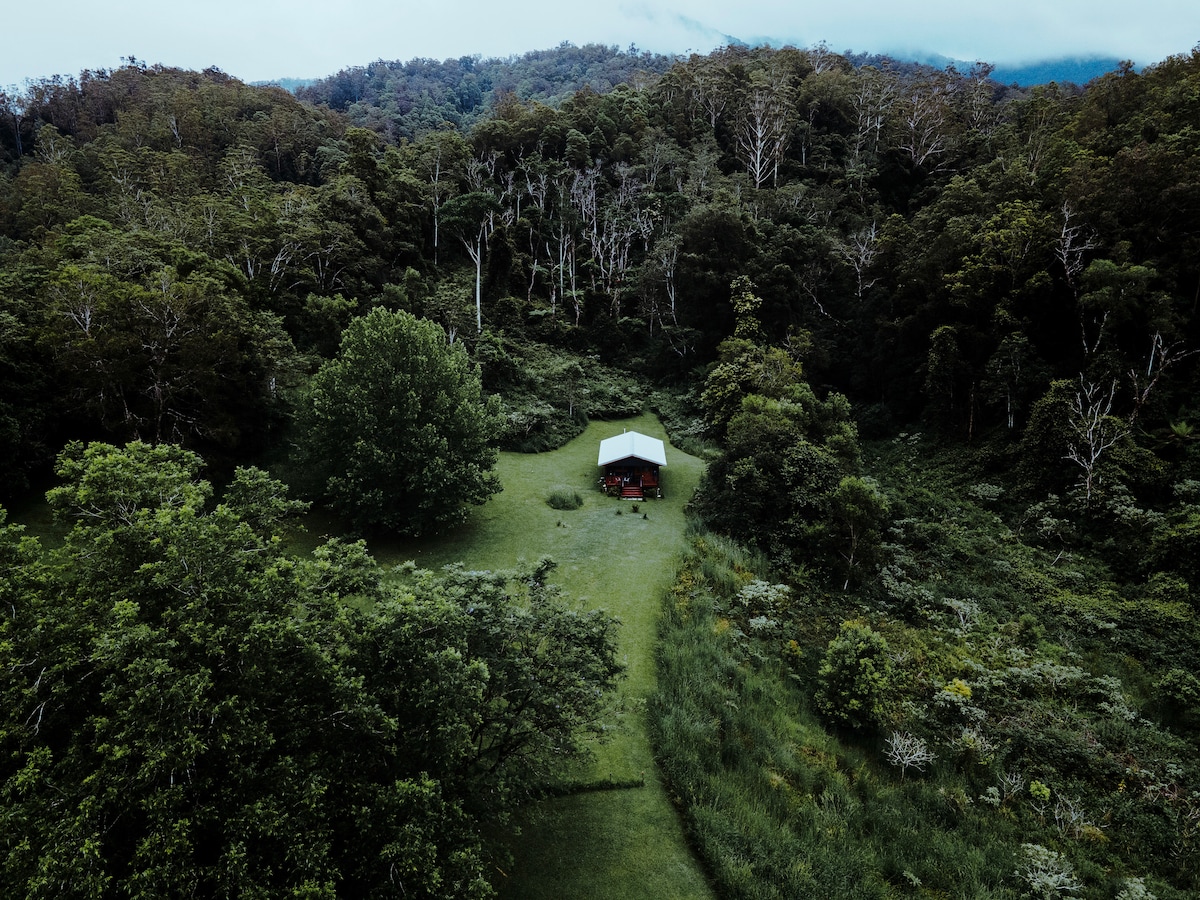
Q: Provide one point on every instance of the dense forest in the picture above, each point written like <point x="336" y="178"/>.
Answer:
<point x="406" y="99"/>
<point x="937" y="337"/>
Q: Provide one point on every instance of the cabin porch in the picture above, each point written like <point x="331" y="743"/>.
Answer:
<point x="631" y="463"/>
<point x="632" y="482"/>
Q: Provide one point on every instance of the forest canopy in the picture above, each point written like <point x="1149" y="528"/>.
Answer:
<point x="950" y="246"/>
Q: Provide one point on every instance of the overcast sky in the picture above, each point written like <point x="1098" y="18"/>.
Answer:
<point x="258" y="40"/>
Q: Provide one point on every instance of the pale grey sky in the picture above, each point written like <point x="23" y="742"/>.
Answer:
<point x="264" y="39"/>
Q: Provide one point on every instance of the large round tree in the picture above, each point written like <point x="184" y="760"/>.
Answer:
<point x="396" y="429"/>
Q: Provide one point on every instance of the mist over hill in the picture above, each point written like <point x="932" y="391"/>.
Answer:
<point x="1060" y="70"/>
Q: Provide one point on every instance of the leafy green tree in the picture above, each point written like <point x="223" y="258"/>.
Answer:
<point x="1176" y="545"/>
<point x="1072" y="430"/>
<point x="538" y="670"/>
<point x="858" y="511"/>
<point x="772" y="487"/>
<point x="1118" y="302"/>
<point x="27" y="380"/>
<point x="747" y="367"/>
<point x="180" y="693"/>
<point x="471" y="218"/>
<point x="48" y="195"/>
<point x="191" y="712"/>
<point x="785" y="450"/>
<point x="1012" y="374"/>
<point x="1002" y="259"/>
<point x="396" y="430"/>
<point x="948" y="378"/>
<point x="434" y="160"/>
<point x="855" y="678"/>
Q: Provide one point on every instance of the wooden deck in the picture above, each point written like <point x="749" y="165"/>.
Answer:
<point x="631" y="485"/>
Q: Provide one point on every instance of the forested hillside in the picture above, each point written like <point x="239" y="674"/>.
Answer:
<point x="406" y="99"/>
<point x="938" y="336"/>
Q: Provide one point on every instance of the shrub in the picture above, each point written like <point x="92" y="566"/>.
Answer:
<point x="1135" y="889"/>
<point x="564" y="498"/>
<point x="856" y="677"/>
<point x="1178" y="692"/>
<point x="533" y="425"/>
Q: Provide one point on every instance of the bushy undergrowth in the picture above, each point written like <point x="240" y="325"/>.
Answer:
<point x="534" y="425"/>
<point x="549" y="393"/>
<point x="1013" y="711"/>
<point x="683" y="417"/>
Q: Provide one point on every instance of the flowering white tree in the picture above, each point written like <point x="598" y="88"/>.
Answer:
<point x="1047" y="872"/>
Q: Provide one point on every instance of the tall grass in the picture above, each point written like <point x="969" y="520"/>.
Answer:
<point x="776" y="806"/>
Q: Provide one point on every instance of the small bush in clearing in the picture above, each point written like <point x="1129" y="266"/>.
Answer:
<point x="564" y="498"/>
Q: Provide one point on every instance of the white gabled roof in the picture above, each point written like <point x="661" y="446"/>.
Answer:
<point x="631" y="443"/>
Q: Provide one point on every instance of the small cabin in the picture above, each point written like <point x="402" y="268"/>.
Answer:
<point x="632" y="464"/>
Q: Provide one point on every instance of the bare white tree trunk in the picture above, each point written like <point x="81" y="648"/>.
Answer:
<point x="1074" y="240"/>
<point x="763" y="135"/>
<point x="1162" y="357"/>
<point x="925" y="119"/>
<point x="907" y="751"/>
<point x="1094" y="431"/>
<point x="859" y="251"/>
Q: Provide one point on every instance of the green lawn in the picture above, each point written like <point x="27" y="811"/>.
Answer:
<point x="628" y="843"/>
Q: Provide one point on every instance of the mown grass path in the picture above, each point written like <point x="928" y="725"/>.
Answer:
<point x="623" y="844"/>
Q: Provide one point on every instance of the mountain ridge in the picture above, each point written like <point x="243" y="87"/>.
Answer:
<point x="1063" y="69"/>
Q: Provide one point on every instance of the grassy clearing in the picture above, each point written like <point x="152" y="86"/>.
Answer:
<point x="625" y="844"/>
